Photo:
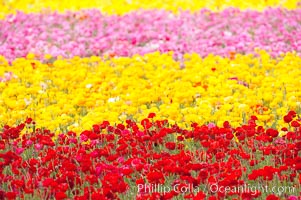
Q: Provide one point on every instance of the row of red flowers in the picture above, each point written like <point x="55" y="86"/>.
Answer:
<point x="111" y="161"/>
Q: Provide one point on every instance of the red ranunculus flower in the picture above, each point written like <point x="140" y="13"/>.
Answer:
<point x="60" y="196"/>
<point x="272" y="197"/>
<point x="151" y="115"/>
<point x="170" y="145"/>
<point x="155" y="177"/>
<point x="295" y="124"/>
<point x="287" y="118"/>
<point x="11" y="195"/>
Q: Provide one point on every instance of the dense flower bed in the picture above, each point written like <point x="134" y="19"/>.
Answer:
<point x="124" y="161"/>
<point x="152" y="100"/>
<point x="90" y="32"/>
<point x="76" y="93"/>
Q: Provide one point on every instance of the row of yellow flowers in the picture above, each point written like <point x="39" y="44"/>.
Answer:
<point x="125" y="6"/>
<point x="76" y="93"/>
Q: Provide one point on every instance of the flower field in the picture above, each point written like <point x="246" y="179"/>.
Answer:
<point x="148" y="100"/>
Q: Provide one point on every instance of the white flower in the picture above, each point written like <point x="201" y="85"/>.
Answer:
<point x="113" y="99"/>
<point x="88" y="86"/>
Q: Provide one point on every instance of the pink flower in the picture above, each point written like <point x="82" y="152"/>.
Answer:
<point x="19" y="150"/>
<point x="7" y="77"/>
<point x="211" y="125"/>
<point x="38" y="147"/>
<point x="28" y="143"/>
<point x="84" y="138"/>
<point x="292" y="197"/>
<point x="120" y="159"/>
